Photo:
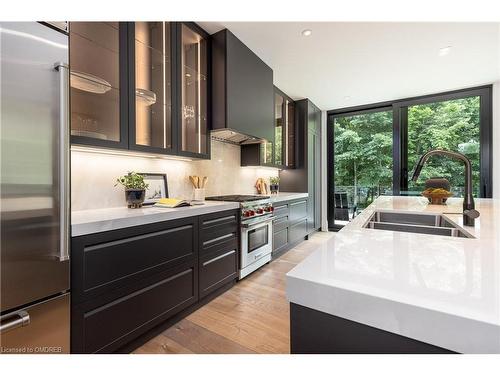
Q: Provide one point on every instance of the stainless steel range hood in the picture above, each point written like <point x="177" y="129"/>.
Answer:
<point x="234" y="137"/>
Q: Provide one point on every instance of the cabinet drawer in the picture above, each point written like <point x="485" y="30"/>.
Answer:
<point x="281" y="210"/>
<point x="217" y="243"/>
<point x="108" y="327"/>
<point x="298" y="210"/>
<point x="298" y="230"/>
<point x="280" y="240"/>
<point x="110" y="260"/>
<point x="217" y="270"/>
<point x="280" y="223"/>
<point x="219" y="224"/>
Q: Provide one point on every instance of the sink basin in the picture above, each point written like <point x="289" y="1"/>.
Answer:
<point x="415" y="223"/>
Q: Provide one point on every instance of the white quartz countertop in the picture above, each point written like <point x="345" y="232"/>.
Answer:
<point x="101" y="220"/>
<point x="444" y="291"/>
<point x="285" y="196"/>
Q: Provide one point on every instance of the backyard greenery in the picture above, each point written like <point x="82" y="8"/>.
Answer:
<point x="363" y="147"/>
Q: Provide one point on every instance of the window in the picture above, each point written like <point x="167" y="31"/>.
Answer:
<point x="372" y="150"/>
<point x="363" y="161"/>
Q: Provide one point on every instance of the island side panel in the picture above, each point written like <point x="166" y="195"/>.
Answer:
<point x="316" y="332"/>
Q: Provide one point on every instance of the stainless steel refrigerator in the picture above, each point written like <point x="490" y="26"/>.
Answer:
<point x="34" y="142"/>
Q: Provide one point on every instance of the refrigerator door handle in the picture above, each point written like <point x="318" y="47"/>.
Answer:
<point x="9" y="322"/>
<point x="64" y="187"/>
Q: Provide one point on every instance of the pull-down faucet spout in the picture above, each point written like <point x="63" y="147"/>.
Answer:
<point x="469" y="212"/>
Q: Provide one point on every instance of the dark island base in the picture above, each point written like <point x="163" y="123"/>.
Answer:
<point x="315" y="332"/>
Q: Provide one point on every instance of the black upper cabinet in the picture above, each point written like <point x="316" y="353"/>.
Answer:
<point x="242" y="89"/>
<point x="141" y="86"/>
<point x="151" y="93"/>
<point x="192" y="77"/>
<point x="98" y="66"/>
<point x="279" y="151"/>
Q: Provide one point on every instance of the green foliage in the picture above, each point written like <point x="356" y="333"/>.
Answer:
<point x="451" y="125"/>
<point x="132" y="180"/>
<point x="274" y="180"/>
<point x="363" y="153"/>
<point x="363" y="147"/>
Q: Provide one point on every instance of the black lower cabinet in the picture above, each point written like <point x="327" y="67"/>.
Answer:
<point x="104" y="328"/>
<point x="127" y="282"/>
<point x="289" y="225"/>
<point x="315" y="332"/>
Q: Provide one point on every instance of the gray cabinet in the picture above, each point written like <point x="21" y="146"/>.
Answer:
<point x="242" y="88"/>
<point x="305" y="177"/>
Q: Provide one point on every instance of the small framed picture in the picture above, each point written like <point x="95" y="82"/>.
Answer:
<point x="158" y="187"/>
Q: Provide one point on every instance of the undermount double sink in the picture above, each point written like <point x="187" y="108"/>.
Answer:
<point x="415" y="223"/>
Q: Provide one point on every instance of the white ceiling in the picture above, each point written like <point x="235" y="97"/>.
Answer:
<point x="344" y="64"/>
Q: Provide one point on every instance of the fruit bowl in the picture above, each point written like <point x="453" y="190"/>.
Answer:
<point x="437" y="196"/>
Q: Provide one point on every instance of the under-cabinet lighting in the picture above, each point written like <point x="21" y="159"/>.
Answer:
<point x="105" y="151"/>
<point x="261" y="167"/>
<point x="307" y="32"/>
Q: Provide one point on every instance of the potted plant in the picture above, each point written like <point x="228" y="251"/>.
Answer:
<point x="135" y="188"/>
<point x="274" y="184"/>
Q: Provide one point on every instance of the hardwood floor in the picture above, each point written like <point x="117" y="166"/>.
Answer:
<point x="251" y="317"/>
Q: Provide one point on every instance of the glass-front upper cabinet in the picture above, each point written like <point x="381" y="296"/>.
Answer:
<point x="284" y="130"/>
<point x="289" y="154"/>
<point x="97" y="91"/>
<point x="279" y="125"/>
<point x="194" y="134"/>
<point x="152" y="95"/>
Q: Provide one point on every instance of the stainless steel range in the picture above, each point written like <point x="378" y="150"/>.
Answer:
<point x="256" y="229"/>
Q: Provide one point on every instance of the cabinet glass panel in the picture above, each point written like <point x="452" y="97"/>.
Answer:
<point x="266" y="153"/>
<point x="290" y="133"/>
<point x="194" y="130"/>
<point x="95" y="80"/>
<point x="279" y="122"/>
<point x="153" y="84"/>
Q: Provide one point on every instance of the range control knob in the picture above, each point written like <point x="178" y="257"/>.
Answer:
<point x="260" y="211"/>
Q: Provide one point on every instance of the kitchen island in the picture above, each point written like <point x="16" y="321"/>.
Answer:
<point x="382" y="291"/>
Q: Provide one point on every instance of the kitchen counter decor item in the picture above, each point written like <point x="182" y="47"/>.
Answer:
<point x="437" y="195"/>
<point x="438" y="182"/>
<point x="274" y="184"/>
<point x="135" y="188"/>
<point x="157" y="187"/>
<point x="199" y="184"/>
<point x="261" y="186"/>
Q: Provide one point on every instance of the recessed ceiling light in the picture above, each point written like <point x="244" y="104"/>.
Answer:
<point x="347" y="97"/>
<point x="306" y="32"/>
<point x="444" y="51"/>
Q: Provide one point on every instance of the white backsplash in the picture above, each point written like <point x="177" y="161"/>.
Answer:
<point x="93" y="175"/>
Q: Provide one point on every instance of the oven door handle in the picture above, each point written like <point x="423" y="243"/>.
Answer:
<point x="248" y="225"/>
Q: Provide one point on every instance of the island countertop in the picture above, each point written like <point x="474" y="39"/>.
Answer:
<point x="444" y="291"/>
<point x="104" y="219"/>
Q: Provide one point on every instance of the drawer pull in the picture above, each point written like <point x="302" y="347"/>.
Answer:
<point x="9" y="322"/>
<point x="213" y="221"/>
<point x="136" y="238"/>
<point x="296" y="203"/>
<point x="218" y="258"/>
<point x="218" y="239"/>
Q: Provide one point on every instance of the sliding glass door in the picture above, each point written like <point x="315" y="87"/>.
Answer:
<point x="373" y="150"/>
<point x="363" y="160"/>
